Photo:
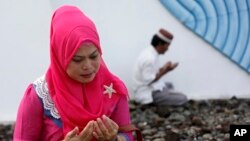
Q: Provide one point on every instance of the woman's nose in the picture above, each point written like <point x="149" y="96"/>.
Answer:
<point x="86" y="64"/>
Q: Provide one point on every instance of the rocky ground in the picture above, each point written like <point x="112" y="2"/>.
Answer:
<point x="204" y="120"/>
<point x="6" y="131"/>
<point x="196" y="121"/>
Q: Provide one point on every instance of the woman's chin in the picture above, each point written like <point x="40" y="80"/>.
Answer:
<point x="86" y="80"/>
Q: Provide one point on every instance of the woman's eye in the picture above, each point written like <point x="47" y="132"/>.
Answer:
<point x="93" y="57"/>
<point x="76" y="60"/>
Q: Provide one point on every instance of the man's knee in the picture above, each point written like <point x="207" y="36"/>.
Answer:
<point x="182" y="100"/>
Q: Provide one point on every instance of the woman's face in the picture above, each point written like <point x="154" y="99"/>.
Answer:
<point x="85" y="64"/>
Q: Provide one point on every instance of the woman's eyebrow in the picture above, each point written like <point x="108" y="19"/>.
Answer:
<point x="93" y="52"/>
<point x="79" y="56"/>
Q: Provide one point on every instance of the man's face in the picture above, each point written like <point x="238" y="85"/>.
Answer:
<point x="163" y="48"/>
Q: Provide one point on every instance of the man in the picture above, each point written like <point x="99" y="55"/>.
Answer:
<point x="149" y="88"/>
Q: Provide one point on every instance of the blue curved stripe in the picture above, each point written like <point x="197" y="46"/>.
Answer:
<point x="217" y="23"/>
<point x="222" y="23"/>
<point x="243" y="27"/>
<point x="233" y="27"/>
<point x="243" y="31"/>
<point x="197" y="11"/>
<point x="211" y="17"/>
<point x="194" y="22"/>
<point x="245" y="60"/>
<point x="225" y="24"/>
<point x="224" y="18"/>
<point x="202" y="20"/>
<point x="181" y="14"/>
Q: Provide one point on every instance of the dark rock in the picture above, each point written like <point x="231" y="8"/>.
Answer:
<point x="6" y="131"/>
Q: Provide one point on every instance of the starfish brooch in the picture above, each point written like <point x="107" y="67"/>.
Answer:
<point x="109" y="90"/>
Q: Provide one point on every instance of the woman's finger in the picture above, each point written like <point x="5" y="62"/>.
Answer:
<point x="97" y="132"/>
<point x="86" y="133"/>
<point x="71" y="134"/>
<point x="102" y="127"/>
<point x="97" y="129"/>
<point x="112" y="127"/>
<point x="110" y="124"/>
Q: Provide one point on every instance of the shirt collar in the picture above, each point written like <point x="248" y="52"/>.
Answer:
<point x="153" y="50"/>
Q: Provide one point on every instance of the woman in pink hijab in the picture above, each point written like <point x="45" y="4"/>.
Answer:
<point x="78" y="98"/>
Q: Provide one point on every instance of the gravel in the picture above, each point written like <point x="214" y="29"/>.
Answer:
<point x="198" y="120"/>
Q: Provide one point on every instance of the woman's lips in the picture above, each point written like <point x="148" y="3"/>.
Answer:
<point x="87" y="75"/>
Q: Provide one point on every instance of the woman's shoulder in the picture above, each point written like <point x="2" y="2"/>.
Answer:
<point x="30" y="101"/>
<point x="41" y="89"/>
<point x="30" y="94"/>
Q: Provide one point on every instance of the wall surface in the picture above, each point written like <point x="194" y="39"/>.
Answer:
<point x="125" y="29"/>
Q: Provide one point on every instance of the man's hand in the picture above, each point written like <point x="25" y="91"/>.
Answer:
<point x="169" y="66"/>
<point x="173" y="66"/>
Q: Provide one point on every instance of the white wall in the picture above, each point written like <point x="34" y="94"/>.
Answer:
<point x="125" y="28"/>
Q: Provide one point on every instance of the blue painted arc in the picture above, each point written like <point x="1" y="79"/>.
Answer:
<point x="243" y="31"/>
<point x="222" y="23"/>
<point x="198" y="13"/>
<point x="210" y="13"/>
<point x="233" y="27"/>
<point x="245" y="60"/>
<point x="225" y="24"/>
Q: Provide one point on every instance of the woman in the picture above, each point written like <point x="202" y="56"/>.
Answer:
<point x="78" y="98"/>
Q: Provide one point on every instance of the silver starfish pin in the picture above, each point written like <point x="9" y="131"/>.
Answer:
<point x="109" y="90"/>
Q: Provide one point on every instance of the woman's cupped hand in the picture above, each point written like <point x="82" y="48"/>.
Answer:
<point x="103" y="129"/>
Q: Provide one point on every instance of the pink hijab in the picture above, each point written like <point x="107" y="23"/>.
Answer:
<point x="77" y="103"/>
